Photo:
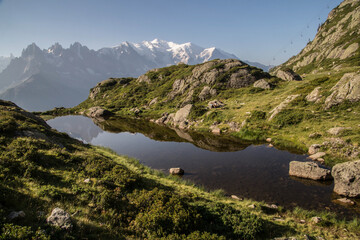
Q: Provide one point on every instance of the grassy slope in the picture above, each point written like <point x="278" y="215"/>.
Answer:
<point x="124" y="200"/>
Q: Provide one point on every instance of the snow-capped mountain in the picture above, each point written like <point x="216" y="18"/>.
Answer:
<point x="57" y="76"/>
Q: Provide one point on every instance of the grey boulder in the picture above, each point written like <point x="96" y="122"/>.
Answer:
<point x="347" y="178"/>
<point x="309" y="170"/>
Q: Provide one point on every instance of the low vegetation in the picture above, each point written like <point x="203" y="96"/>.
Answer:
<point x="121" y="199"/>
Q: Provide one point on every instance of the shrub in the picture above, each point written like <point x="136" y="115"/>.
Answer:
<point x="289" y="117"/>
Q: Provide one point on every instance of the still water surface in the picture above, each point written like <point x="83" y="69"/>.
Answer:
<point x="251" y="171"/>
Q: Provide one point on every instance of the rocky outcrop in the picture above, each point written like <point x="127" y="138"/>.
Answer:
<point x="98" y="112"/>
<point x="180" y="118"/>
<point x="314" y="148"/>
<point x="282" y="105"/>
<point x="215" y="104"/>
<point x="348" y="88"/>
<point x="308" y="170"/>
<point x="338" y="130"/>
<point x="60" y="218"/>
<point x="262" y="83"/>
<point x="317" y="156"/>
<point x="314" y="96"/>
<point x="206" y="92"/>
<point x="176" y="171"/>
<point x="288" y="75"/>
<point x="96" y="90"/>
<point x="335" y="44"/>
<point x="347" y="178"/>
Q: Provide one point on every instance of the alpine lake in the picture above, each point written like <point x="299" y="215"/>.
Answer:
<point x="245" y="169"/>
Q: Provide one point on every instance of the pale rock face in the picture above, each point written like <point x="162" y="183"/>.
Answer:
<point x="282" y="105"/>
<point x="262" y="83"/>
<point x="288" y="75"/>
<point x="315" y="95"/>
<point x="182" y="114"/>
<point x="348" y="88"/>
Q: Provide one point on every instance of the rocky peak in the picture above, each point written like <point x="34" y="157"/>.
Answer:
<point x="31" y="51"/>
<point x="55" y="49"/>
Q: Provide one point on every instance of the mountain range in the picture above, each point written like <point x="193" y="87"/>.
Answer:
<point x="5" y="61"/>
<point x="42" y="79"/>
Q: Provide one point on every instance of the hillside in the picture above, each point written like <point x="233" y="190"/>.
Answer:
<point x="336" y="44"/>
<point x="55" y="187"/>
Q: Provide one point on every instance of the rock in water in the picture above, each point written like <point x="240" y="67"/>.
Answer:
<point x="59" y="218"/>
<point x="176" y="171"/>
<point x="347" y="178"/>
<point x="14" y="215"/>
<point x="308" y="170"/>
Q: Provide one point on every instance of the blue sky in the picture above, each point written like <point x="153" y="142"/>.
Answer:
<point x="266" y="31"/>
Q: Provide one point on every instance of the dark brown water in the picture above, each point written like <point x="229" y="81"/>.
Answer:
<point x="247" y="170"/>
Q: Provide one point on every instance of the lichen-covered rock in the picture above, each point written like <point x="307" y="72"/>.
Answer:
<point x="206" y="92"/>
<point x="317" y="155"/>
<point x="347" y="178"/>
<point x="348" y="88"/>
<point x="338" y="130"/>
<point x="314" y="96"/>
<point x="262" y="83"/>
<point x="314" y="148"/>
<point x="215" y="104"/>
<point x="98" y="112"/>
<point x="59" y="218"/>
<point x="182" y="114"/>
<point x="288" y="75"/>
<point x="309" y="170"/>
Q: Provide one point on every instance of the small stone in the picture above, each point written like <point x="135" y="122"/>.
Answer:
<point x="315" y="135"/>
<point x="88" y="180"/>
<point x="60" y="218"/>
<point x="270" y="145"/>
<point x="317" y="155"/>
<point x="314" y="148"/>
<point x="321" y="160"/>
<point x="316" y="219"/>
<point x="13" y="215"/>
<point x="216" y="130"/>
<point x="236" y="197"/>
<point x="349" y="109"/>
<point x="338" y="130"/>
<point x="176" y="171"/>
<point x="345" y="201"/>
<point x="302" y="221"/>
<point x="268" y="139"/>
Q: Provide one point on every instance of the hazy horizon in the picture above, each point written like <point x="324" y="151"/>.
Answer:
<point x="261" y="31"/>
